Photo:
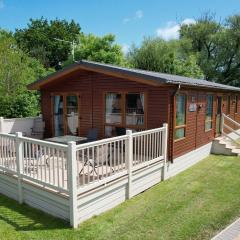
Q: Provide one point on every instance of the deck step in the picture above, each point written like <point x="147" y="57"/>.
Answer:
<point x="225" y="146"/>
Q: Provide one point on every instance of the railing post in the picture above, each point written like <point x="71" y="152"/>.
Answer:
<point x="1" y="124"/>
<point x="19" y="161"/>
<point x="129" y="162"/>
<point x="72" y="183"/>
<point x="165" y="148"/>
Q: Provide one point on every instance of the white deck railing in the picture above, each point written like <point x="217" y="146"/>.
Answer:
<point x="8" y="152"/>
<point x="39" y="161"/>
<point x="108" y="159"/>
<point x="74" y="169"/>
<point x="230" y="128"/>
<point x="101" y="159"/>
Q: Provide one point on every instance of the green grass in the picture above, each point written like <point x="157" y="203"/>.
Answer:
<point x="193" y="205"/>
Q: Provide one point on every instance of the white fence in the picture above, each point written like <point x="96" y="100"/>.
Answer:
<point x="230" y="129"/>
<point x="75" y="171"/>
<point x="13" y="125"/>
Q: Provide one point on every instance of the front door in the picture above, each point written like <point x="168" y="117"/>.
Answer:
<point x="218" y="116"/>
<point x="65" y="114"/>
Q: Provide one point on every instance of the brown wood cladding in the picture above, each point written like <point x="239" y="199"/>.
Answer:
<point x="92" y="86"/>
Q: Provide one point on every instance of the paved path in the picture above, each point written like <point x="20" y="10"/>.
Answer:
<point x="232" y="232"/>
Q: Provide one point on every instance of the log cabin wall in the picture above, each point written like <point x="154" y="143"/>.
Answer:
<point x="160" y="108"/>
<point x="92" y="88"/>
<point x="196" y="136"/>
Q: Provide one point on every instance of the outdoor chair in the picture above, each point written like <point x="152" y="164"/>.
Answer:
<point x="91" y="159"/>
<point x="120" y="131"/>
<point x="38" y="129"/>
<point x="92" y="135"/>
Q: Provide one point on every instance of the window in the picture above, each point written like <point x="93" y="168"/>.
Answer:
<point x="134" y="109"/>
<point x="236" y="104"/>
<point x="113" y="108"/>
<point x="228" y="104"/>
<point x="180" y="117"/>
<point x="209" y="113"/>
<point x="122" y="111"/>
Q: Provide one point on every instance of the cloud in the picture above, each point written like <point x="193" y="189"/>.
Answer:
<point x="125" y="48"/>
<point x="126" y="20"/>
<point x="137" y="16"/>
<point x="171" y="31"/>
<point x="1" y="4"/>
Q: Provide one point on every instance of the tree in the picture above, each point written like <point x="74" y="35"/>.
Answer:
<point x="99" y="49"/>
<point x="16" y="71"/>
<point x="38" y="40"/>
<point x="158" y="55"/>
<point x="217" y="47"/>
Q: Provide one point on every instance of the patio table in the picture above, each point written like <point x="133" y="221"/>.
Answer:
<point x="67" y="138"/>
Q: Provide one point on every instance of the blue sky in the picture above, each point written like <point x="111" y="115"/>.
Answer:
<point x="129" y="20"/>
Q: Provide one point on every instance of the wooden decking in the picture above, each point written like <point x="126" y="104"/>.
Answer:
<point x="232" y="232"/>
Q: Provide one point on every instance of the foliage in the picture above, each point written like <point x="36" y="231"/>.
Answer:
<point x="23" y="105"/>
<point x="38" y="40"/>
<point x="158" y="55"/>
<point x="217" y="47"/>
<point x="16" y="71"/>
<point x="195" y="204"/>
<point x="99" y="49"/>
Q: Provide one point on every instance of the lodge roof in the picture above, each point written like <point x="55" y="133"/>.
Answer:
<point x="148" y="77"/>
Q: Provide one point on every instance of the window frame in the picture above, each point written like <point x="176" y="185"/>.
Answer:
<point x="236" y="104"/>
<point x="64" y="95"/>
<point x="207" y="121"/>
<point x="123" y="123"/>
<point x="228" y="110"/>
<point x="183" y="126"/>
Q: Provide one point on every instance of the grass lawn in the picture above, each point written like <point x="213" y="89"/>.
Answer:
<point x="193" y="205"/>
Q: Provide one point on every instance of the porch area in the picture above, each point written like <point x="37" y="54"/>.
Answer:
<point x="75" y="182"/>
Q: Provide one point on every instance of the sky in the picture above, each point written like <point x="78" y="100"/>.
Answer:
<point x="129" y="20"/>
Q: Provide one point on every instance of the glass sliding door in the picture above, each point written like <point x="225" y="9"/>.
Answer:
<point x="72" y="115"/>
<point x="65" y="114"/>
<point x="58" y="115"/>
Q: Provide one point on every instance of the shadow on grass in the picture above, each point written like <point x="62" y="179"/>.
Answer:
<point x="25" y="218"/>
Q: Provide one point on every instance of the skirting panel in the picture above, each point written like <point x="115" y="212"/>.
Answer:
<point x="102" y="199"/>
<point x="147" y="178"/>
<point x="9" y="186"/>
<point x="48" y="202"/>
<point x="34" y="196"/>
<point x="111" y="195"/>
<point x="187" y="160"/>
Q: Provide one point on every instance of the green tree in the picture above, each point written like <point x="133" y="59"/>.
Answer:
<point x="16" y="71"/>
<point x="38" y="40"/>
<point x="158" y="55"/>
<point x="99" y="49"/>
<point x="217" y="47"/>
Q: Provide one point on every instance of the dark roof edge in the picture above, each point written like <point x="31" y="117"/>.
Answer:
<point x="152" y="77"/>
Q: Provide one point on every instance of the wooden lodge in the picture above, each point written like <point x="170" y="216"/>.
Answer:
<point x="112" y="99"/>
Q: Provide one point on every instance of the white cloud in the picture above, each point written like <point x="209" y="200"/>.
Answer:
<point x="1" y="4"/>
<point x="171" y="31"/>
<point x="125" y="48"/>
<point x="188" y="21"/>
<point x="137" y="16"/>
<point x="126" y="20"/>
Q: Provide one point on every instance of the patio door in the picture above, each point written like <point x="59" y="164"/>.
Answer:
<point x="218" y="116"/>
<point x="65" y="114"/>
